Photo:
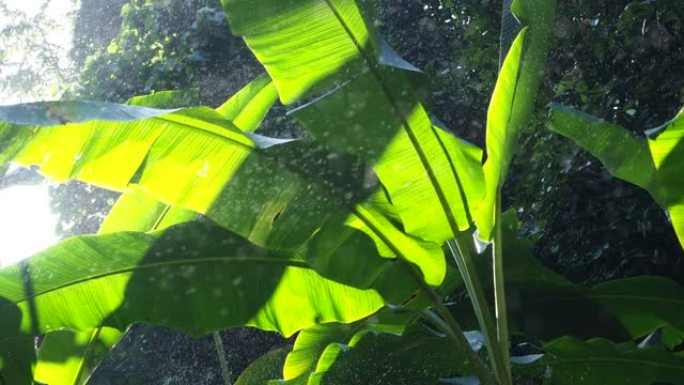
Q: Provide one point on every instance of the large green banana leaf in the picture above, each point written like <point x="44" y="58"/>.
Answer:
<point x="194" y="277"/>
<point x="513" y="99"/>
<point x="652" y="163"/>
<point x="570" y="361"/>
<point x="69" y="357"/>
<point x="369" y="108"/>
<point x="275" y="193"/>
<point x="621" y="309"/>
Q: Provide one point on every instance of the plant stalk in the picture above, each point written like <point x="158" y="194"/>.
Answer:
<point x="500" y="291"/>
<point x="91" y="342"/>
<point x="221" y="352"/>
<point x="456" y="335"/>
<point x="466" y="265"/>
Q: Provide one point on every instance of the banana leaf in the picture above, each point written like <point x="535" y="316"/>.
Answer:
<point x="601" y="362"/>
<point x="276" y="193"/>
<point x="365" y="104"/>
<point x="194" y="277"/>
<point x="652" y="163"/>
<point x="17" y="352"/>
<point x="513" y="99"/>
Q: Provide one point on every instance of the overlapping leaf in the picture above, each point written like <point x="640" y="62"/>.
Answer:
<point x="370" y="109"/>
<point x="275" y="193"/>
<point x="204" y="279"/>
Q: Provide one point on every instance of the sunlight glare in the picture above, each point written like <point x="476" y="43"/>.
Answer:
<point x="27" y="223"/>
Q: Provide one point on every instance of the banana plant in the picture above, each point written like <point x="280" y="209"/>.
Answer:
<point x="340" y="237"/>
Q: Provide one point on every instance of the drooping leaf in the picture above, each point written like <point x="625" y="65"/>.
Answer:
<point x="653" y="164"/>
<point x="275" y="193"/>
<point x="544" y="305"/>
<point x="203" y="277"/>
<point x="541" y="304"/>
<point x="67" y="357"/>
<point x="570" y="361"/>
<point x="513" y="99"/>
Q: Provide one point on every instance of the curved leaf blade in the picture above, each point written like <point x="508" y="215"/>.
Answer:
<point x="205" y="279"/>
<point x="275" y="193"/>
<point x="513" y="100"/>
<point x="369" y="108"/>
<point x="653" y="164"/>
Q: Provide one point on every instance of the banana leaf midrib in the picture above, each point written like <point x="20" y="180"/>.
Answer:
<point x="405" y="124"/>
<point x="156" y="265"/>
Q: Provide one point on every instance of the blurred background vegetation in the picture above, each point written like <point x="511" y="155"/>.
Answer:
<point x="620" y="60"/>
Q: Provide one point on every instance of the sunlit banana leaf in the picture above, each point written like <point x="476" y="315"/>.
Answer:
<point x="136" y="210"/>
<point x="70" y="357"/>
<point x="202" y="279"/>
<point x="67" y="357"/>
<point x="570" y="361"/>
<point x="652" y="163"/>
<point x="370" y="107"/>
<point x="275" y="193"/>
<point x="513" y="99"/>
